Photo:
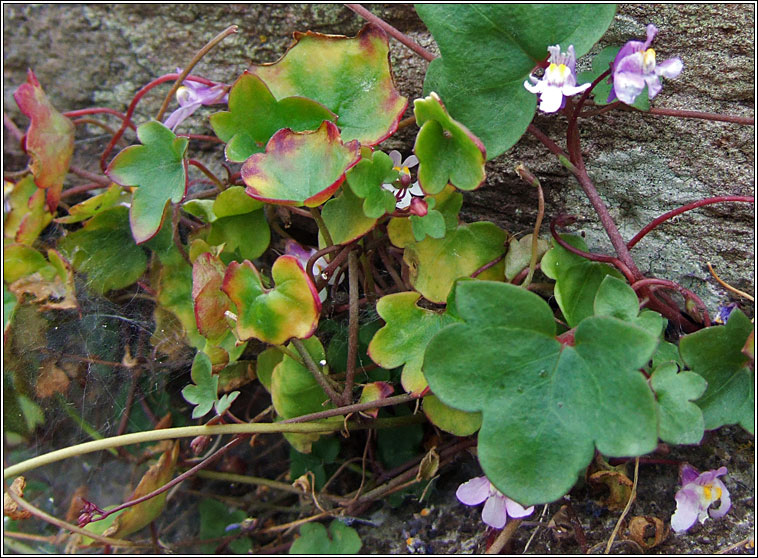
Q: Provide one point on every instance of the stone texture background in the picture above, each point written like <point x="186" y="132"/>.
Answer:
<point x="99" y="54"/>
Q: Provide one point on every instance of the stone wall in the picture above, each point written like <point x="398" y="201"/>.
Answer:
<point x="85" y="55"/>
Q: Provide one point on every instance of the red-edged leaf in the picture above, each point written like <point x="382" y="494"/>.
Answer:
<point x="49" y="141"/>
<point x="300" y="168"/>
<point x="210" y="302"/>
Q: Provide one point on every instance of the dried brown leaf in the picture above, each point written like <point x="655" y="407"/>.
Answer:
<point x="10" y="508"/>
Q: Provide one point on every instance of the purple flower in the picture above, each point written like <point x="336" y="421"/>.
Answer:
<point x="292" y="248"/>
<point x="723" y="312"/>
<point x="191" y="96"/>
<point x="635" y="66"/>
<point x="497" y="507"/>
<point x="698" y="492"/>
<point x="404" y="195"/>
<point x="558" y="82"/>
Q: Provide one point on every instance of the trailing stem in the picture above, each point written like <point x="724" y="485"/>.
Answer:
<point x="352" y="340"/>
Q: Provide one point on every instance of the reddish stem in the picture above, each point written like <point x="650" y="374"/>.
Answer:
<point x="642" y="283"/>
<point x="99" y="110"/>
<point x="563" y="220"/>
<point x="674" y="212"/>
<point x="394" y="33"/>
<point x="12" y="128"/>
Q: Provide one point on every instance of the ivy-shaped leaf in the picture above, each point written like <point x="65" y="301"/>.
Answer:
<point x="140" y="515"/>
<point x="49" y="141"/>
<point x="366" y="178"/>
<point x="546" y="406"/>
<point x="448" y="203"/>
<point x="203" y="392"/>
<point x="27" y="214"/>
<point x="245" y="236"/>
<point x="105" y="251"/>
<point x="290" y="309"/>
<point x="600" y="64"/>
<point x="402" y="341"/>
<point x="432" y="224"/>
<point x="576" y="279"/>
<point x="435" y="264"/>
<point x="617" y="299"/>
<point x="679" y="420"/>
<point x="314" y="539"/>
<point x="158" y="169"/>
<point x="350" y="76"/>
<point x="215" y="517"/>
<point x="488" y="51"/>
<point x="447" y="151"/>
<point x="345" y="219"/>
<point x="300" y="168"/>
<point x="715" y="353"/>
<point x="255" y="115"/>
<point x="114" y="195"/>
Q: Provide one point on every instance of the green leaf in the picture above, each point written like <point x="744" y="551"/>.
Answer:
<point x="617" y="299"/>
<point x="600" y="64"/>
<point x="432" y="225"/>
<point x="447" y="151"/>
<point x="545" y="406"/>
<point x="290" y="309"/>
<point x="448" y="202"/>
<point x="245" y="236"/>
<point x="234" y="201"/>
<point x="350" y="76"/>
<point x="345" y="219"/>
<point x="105" y="251"/>
<point x="49" y="141"/>
<point x="255" y="115"/>
<point x="577" y="279"/>
<point x="458" y="423"/>
<point x="679" y="421"/>
<point x="488" y="51"/>
<point x="265" y="364"/>
<point x="158" y="169"/>
<point x="294" y="390"/>
<point x="215" y="516"/>
<point x="435" y="264"/>
<point x="114" y="195"/>
<point x="203" y="392"/>
<point x="20" y="260"/>
<point x="715" y="353"/>
<point x="402" y="341"/>
<point x="26" y="214"/>
<point x="366" y="178"/>
<point x="323" y="453"/>
<point x="9" y="307"/>
<point x="300" y="168"/>
<point x="520" y="254"/>
<point x="314" y="539"/>
<point x="140" y="515"/>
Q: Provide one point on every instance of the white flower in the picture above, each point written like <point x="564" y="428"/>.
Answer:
<point x="497" y="507"/>
<point x="558" y="82"/>
<point x="404" y="195"/>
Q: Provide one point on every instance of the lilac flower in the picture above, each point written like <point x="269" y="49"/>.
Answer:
<point x="191" y="96"/>
<point x="404" y="195"/>
<point x="497" y="507"/>
<point x="635" y="66"/>
<point x="723" y="312"/>
<point x="698" y="492"/>
<point x="558" y="82"/>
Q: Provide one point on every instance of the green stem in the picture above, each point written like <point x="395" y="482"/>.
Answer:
<point x="322" y="227"/>
<point x="310" y="364"/>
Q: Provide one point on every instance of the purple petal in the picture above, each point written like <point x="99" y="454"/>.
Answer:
<point x="180" y="115"/>
<point x="652" y="31"/>
<point x="516" y="510"/>
<point x="292" y="248"/>
<point x="688" y="474"/>
<point x="653" y="86"/>
<point x="628" y="49"/>
<point x="709" y="477"/>
<point x="494" y="512"/>
<point x="670" y="68"/>
<point x="687" y="510"/>
<point x="628" y="86"/>
<point x="726" y="501"/>
<point x="396" y="157"/>
<point x="411" y="161"/>
<point x="473" y="492"/>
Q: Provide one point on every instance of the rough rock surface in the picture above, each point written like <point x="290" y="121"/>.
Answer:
<point x="85" y="55"/>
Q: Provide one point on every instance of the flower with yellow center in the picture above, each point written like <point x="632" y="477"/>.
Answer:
<point x="558" y="82"/>
<point x="698" y="493"/>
